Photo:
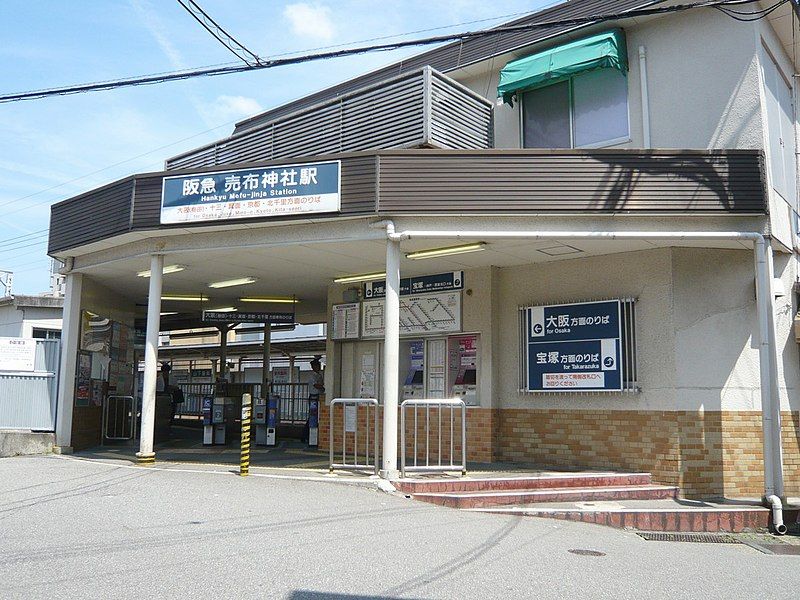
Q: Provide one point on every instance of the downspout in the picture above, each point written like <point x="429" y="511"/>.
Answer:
<point x="777" y="514"/>
<point x="645" y="97"/>
<point x="770" y="405"/>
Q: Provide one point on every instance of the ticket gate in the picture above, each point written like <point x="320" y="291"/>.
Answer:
<point x="218" y="417"/>
<point x="265" y="420"/>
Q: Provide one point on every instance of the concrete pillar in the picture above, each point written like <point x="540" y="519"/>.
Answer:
<point x="70" y="342"/>
<point x="146" y="454"/>
<point x="223" y="350"/>
<point x="391" y="351"/>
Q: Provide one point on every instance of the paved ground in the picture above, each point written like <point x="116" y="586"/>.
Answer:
<point x="72" y="528"/>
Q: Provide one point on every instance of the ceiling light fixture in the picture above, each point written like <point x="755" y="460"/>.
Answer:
<point x="168" y="314"/>
<point x="185" y="297"/>
<point x="166" y="270"/>
<point x="436" y="252"/>
<point x="362" y="277"/>
<point x="271" y="299"/>
<point x="232" y="282"/>
<point x="223" y="309"/>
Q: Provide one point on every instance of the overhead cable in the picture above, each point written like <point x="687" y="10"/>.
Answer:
<point x="223" y="37"/>
<point x="272" y="63"/>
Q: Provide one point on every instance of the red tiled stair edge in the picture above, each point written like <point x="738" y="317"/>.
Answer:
<point x="420" y="486"/>
<point x="497" y="498"/>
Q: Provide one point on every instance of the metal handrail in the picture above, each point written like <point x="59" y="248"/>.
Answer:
<point x="355" y="465"/>
<point x="439" y="403"/>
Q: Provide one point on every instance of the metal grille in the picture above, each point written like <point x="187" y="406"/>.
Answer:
<point x="702" y="538"/>
<point x="353" y="456"/>
<point x="441" y="447"/>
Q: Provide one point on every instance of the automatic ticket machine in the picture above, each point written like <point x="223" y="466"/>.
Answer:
<point x="414" y="384"/>
<point x="265" y="420"/>
<point x="463" y="366"/>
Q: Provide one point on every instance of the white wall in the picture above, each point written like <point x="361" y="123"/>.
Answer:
<point x="702" y="79"/>
<point x="20" y="322"/>
<point x="10" y="321"/>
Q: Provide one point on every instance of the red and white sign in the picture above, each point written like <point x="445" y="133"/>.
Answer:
<point x="573" y="380"/>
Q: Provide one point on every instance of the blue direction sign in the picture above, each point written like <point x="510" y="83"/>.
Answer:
<point x="250" y="193"/>
<point x="440" y="282"/>
<point x="574" y="347"/>
<point x="284" y="318"/>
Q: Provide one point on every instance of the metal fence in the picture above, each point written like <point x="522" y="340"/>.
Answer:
<point x="293" y="398"/>
<point x="350" y="435"/>
<point x="119" y="418"/>
<point x="28" y="398"/>
<point x="444" y="440"/>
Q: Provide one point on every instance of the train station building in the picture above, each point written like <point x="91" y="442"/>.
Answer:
<point x="585" y="233"/>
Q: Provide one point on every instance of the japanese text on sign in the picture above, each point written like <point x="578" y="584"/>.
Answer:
<point x="250" y="193"/>
<point x="573" y="346"/>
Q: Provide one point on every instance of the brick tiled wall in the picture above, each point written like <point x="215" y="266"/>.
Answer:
<point x="706" y="454"/>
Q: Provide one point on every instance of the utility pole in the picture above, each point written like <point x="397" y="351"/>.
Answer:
<point x="7" y="280"/>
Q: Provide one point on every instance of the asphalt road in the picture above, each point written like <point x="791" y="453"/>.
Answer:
<point x="79" y="529"/>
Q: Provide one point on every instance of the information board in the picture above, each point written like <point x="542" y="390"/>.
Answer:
<point x="440" y="282"/>
<point x="345" y="319"/>
<point x="573" y="347"/>
<point x="428" y="313"/>
<point x="17" y="354"/>
<point x="249" y="193"/>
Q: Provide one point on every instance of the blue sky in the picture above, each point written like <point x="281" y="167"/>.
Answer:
<point x="57" y="147"/>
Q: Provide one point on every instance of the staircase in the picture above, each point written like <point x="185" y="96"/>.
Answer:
<point x="624" y="500"/>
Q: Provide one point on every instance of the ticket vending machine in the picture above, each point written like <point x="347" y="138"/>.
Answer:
<point x="414" y="383"/>
<point x="272" y="419"/>
<point x="463" y="367"/>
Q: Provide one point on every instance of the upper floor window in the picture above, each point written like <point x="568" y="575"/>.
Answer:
<point x="585" y="111"/>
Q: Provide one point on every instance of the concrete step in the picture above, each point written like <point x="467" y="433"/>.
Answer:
<point x="553" y="494"/>
<point x="503" y="483"/>
<point x="652" y="515"/>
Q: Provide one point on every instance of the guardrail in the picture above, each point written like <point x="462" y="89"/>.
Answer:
<point x="441" y="405"/>
<point x="350" y="426"/>
<point x="119" y="418"/>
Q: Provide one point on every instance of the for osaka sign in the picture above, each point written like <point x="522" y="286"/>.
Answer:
<point x="573" y="347"/>
<point x="252" y="193"/>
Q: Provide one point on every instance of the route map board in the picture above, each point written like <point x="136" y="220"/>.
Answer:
<point x="427" y="313"/>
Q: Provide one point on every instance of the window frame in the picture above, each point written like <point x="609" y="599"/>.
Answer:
<point x="601" y="144"/>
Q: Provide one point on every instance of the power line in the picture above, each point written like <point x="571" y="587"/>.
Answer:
<point x="222" y="36"/>
<point x="26" y="235"/>
<point x="269" y="64"/>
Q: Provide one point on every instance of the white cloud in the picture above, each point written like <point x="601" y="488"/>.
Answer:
<point x="230" y="108"/>
<point x="313" y="20"/>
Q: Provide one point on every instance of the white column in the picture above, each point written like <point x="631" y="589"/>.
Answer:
<point x="146" y="454"/>
<point x="391" y="351"/>
<point x="70" y="342"/>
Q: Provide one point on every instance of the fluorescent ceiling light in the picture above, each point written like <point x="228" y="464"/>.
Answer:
<point x="166" y="270"/>
<point x="223" y="309"/>
<point x="232" y="282"/>
<point x="168" y="314"/>
<point x="271" y="299"/>
<point x="363" y="277"/>
<point x="434" y="252"/>
<point x="185" y="297"/>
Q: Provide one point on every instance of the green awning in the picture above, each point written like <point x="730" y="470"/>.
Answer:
<point x="605" y="50"/>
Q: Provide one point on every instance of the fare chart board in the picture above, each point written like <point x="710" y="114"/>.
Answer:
<point x="420" y="314"/>
<point x="573" y="347"/>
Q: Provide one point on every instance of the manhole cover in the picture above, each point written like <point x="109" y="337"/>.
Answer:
<point x="581" y="552"/>
<point x="704" y="538"/>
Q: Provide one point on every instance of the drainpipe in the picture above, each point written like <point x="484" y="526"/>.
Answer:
<point x="777" y="514"/>
<point x="770" y="405"/>
<point x="645" y="96"/>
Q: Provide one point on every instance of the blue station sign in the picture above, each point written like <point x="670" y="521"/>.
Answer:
<point x="440" y="282"/>
<point x="252" y="193"/>
<point x="574" y="347"/>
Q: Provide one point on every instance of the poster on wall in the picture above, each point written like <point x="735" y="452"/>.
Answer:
<point x="17" y="354"/>
<point x="426" y="313"/>
<point x="83" y="379"/>
<point x="573" y="347"/>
